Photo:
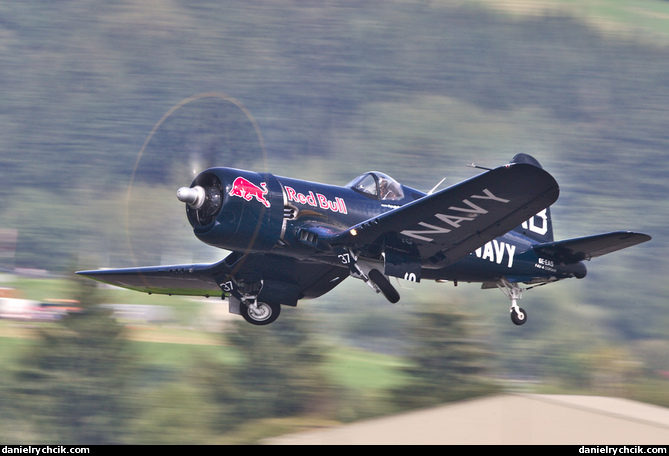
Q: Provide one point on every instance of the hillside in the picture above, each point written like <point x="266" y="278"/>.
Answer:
<point x="415" y="89"/>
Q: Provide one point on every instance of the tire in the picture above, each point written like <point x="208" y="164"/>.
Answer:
<point x="518" y="318"/>
<point x="384" y="285"/>
<point x="268" y="313"/>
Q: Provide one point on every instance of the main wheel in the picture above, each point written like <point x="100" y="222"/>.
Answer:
<point x="384" y="285"/>
<point x="518" y="317"/>
<point x="261" y="313"/>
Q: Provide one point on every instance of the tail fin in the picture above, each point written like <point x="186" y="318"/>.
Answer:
<point x="540" y="227"/>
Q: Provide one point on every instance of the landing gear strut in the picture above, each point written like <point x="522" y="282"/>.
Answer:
<point x="514" y="293"/>
<point x="371" y="276"/>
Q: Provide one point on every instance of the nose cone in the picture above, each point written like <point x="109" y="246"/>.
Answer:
<point x="193" y="196"/>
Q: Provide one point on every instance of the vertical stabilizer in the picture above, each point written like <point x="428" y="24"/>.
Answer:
<point x="540" y="227"/>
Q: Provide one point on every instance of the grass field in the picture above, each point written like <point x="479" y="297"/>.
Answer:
<point x="622" y="17"/>
<point x="345" y="366"/>
<point x="362" y="377"/>
<point x="171" y="344"/>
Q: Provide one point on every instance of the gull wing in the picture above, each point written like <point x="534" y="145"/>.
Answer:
<point x="448" y="225"/>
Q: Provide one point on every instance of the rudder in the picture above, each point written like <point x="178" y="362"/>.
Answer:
<point x="540" y="227"/>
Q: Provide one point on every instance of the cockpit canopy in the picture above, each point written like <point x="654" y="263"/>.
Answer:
<point x="377" y="185"/>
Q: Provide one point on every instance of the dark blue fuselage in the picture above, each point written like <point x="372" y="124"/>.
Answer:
<point x="284" y="211"/>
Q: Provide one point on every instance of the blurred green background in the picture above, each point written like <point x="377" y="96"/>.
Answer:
<point x="415" y="89"/>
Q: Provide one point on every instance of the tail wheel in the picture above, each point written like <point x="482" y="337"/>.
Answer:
<point x="260" y="313"/>
<point x="518" y="316"/>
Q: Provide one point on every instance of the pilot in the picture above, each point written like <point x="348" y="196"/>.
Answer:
<point x="386" y="190"/>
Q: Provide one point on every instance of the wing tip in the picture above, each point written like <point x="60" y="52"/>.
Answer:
<point x="92" y="273"/>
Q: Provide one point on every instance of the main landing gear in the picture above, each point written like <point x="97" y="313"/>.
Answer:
<point x="384" y="285"/>
<point x="243" y="301"/>
<point x="259" y="313"/>
<point x="368" y="274"/>
<point x="514" y="293"/>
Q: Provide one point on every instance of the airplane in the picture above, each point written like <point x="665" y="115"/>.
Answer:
<point x="292" y="240"/>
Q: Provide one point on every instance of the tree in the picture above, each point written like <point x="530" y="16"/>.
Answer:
<point x="447" y="361"/>
<point x="72" y="387"/>
<point x="279" y="373"/>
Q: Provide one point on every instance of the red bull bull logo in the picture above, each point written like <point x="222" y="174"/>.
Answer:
<point x="247" y="190"/>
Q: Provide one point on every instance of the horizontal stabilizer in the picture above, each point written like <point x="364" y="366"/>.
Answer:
<point x="585" y="248"/>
